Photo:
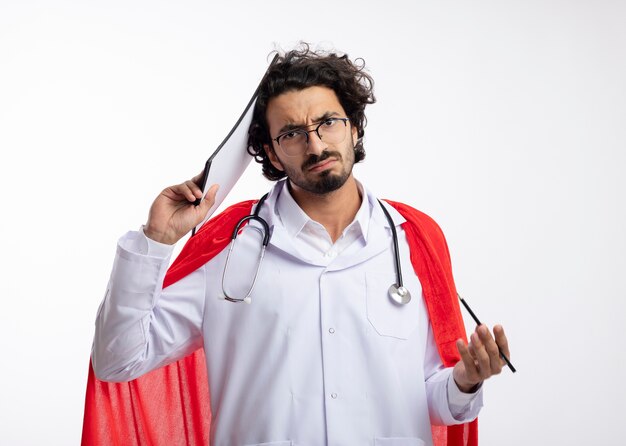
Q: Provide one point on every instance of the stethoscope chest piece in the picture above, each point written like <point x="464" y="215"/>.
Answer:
<point x="399" y="294"/>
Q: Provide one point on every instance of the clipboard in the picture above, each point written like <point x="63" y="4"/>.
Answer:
<point x="231" y="158"/>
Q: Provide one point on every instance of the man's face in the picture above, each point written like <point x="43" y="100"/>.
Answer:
<point x="320" y="168"/>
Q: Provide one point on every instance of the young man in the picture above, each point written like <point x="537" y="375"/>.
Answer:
<point x="323" y="354"/>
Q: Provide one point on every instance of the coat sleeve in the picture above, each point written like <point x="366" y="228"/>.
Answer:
<point x="140" y="326"/>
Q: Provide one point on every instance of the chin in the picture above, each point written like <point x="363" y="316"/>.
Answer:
<point x="328" y="182"/>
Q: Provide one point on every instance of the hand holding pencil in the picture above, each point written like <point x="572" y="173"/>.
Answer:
<point x="484" y="356"/>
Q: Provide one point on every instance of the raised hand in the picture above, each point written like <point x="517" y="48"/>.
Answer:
<point x="480" y="359"/>
<point x="173" y="214"/>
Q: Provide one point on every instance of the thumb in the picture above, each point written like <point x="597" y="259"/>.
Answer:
<point x="209" y="200"/>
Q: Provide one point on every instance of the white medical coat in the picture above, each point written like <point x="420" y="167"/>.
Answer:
<point x="320" y="356"/>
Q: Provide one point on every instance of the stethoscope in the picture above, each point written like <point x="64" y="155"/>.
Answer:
<point x="397" y="291"/>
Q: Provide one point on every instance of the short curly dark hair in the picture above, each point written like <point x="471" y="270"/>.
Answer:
<point x="302" y="68"/>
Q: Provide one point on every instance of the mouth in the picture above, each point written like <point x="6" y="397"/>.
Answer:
<point x="322" y="165"/>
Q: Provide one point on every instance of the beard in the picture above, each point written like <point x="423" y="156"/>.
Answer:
<point x="325" y="181"/>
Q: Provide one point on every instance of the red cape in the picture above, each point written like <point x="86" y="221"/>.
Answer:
<point x="170" y="406"/>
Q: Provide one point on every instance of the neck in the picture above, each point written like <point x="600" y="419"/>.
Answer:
<point x="334" y="210"/>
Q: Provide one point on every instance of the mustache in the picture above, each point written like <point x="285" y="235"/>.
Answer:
<point x="314" y="159"/>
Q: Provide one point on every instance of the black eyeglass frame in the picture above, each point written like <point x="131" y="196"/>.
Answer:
<point x="306" y="132"/>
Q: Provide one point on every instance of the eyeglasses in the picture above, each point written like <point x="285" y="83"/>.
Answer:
<point x="294" y="142"/>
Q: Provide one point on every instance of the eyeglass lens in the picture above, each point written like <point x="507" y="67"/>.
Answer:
<point x="331" y="131"/>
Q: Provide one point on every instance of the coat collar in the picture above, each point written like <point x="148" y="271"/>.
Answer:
<point x="286" y="219"/>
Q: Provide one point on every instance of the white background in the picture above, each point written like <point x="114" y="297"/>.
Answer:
<point x="504" y="120"/>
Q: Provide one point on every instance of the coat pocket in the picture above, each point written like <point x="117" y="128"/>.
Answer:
<point x="386" y="316"/>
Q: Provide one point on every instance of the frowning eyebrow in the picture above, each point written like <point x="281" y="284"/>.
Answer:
<point x="292" y="126"/>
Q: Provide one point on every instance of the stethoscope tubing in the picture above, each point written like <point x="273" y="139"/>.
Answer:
<point x="397" y="292"/>
<point x="394" y="236"/>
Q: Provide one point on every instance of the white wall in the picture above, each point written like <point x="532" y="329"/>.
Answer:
<point x="504" y="120"/>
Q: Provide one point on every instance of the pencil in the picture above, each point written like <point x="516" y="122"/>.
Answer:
<point x="469" y="310"/>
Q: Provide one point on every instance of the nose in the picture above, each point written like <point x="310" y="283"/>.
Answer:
<point x="314" y="143"/>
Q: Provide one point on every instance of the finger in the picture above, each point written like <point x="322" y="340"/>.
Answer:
<point x="209" y="198"/>
<point x="491" y="348"/>
<point x="183" y="190"/>
<point x="198" y="178"/>
<point x="484" y="333"/>
<point x="173" y="194"/>
<point x="482" y="357"/>
<point x="471" y="370"/>
<point x="195" y="190"/>
<point x="501" y="340"/>
<point x="472" y="351"/>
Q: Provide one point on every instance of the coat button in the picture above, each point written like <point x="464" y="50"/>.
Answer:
<point x="333" y="396"/>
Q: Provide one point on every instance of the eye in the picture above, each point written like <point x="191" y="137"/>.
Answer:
<point x="289" y="135"/>
<point x="329" y="123"/>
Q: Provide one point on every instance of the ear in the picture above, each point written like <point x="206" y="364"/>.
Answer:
<point x="269" y="151"/>
<point x="355" y="135"/>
